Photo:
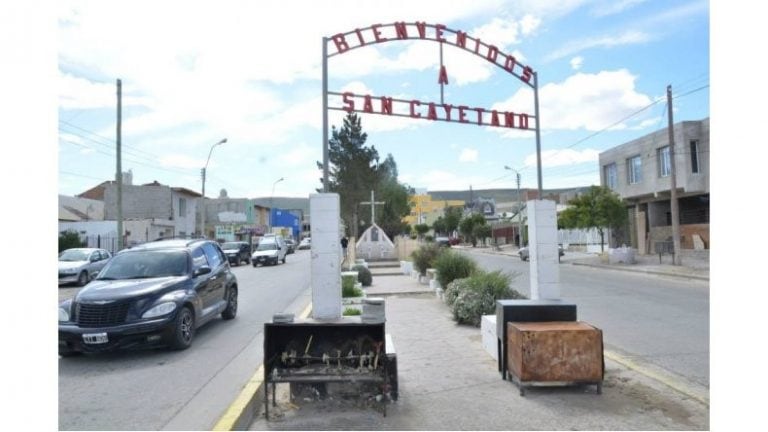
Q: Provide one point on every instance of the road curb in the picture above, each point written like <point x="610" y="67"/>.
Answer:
<point x="701" y="396"/>
<point x="657" y="273"/>
<point x="241" y="412"/>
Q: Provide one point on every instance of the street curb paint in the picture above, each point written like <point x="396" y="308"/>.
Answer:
<point x="667" y="380"/>
<point x="240" y="412"/>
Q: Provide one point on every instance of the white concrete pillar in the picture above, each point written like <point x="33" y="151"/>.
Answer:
<point x="543" y="251"/>
<point x="324" y="210"/>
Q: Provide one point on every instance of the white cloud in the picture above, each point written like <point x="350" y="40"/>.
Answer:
<point x="563" y="157"/>
<point x="612" y="7"/>
<point x="582" y="101"/>
<point x="183" y="161"/>
<point x="468" y="155"/>
<point x="630" y="37"/>
<point x="576" y="62"/>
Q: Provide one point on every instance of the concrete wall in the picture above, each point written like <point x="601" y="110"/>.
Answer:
<point x="156" y="202"/>
<point x="646" y="147"/>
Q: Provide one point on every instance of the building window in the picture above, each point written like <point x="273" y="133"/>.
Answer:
<point x="695" y="168"/>
<point x="182" y="207"/>
<point x="610" y="175"/>
<point x="634" y="170"/>
<point x="665" y="167"/>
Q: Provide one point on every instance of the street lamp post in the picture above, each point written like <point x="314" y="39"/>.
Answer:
<point x="202" y="172"/>
<point x="519" y="210"/>
<point x="270" y="201"/>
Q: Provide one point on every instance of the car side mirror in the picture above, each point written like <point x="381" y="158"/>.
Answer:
<point x="201" y="271"/>
<point x="93" y="259"/>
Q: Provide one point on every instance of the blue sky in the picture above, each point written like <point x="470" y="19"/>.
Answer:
<point x="251" y="72"/>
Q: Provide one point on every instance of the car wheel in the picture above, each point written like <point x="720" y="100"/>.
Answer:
<point x="254" y="264"/>
<point x="184" y="330"/>
<point x="68" y="352"/>
<point x="231" y="309"/>
<point x="82" y="279"/>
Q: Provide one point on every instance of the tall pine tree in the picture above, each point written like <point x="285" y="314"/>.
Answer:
<point x="354" y="171"/>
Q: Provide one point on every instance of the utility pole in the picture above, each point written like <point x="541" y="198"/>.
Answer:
<point x="119" y="174"/>
<point x="676" y="259"/>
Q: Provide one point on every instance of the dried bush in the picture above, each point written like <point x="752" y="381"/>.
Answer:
<point x="453" y="265"/>
<point x="424" y="257"/>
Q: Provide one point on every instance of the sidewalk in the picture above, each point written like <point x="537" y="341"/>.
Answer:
<point x="692" y="267"/>
<point x="447" y="381"/>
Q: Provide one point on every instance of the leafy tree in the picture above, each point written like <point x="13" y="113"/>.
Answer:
<point x="395" y="196"/>
<point x="421" y="229"/>
<point x="439" y="226"/>
<point x="482" y="231"/>
<point x="69" y="239"/>
<point x="452" y="216"/>
<point x="468" y="224"/>
<point x="599" y="208"/>
<point x="354" y="171"/>
<point x="351" y="167"/>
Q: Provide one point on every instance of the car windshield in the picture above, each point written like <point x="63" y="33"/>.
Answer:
<point x="267" y="246"/>
<point x="73" y="255"/>
<point x="226" y="246"/>
<point x="146" y="264"/>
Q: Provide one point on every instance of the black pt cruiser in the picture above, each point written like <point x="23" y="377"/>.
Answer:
<point x="157" y="293"/>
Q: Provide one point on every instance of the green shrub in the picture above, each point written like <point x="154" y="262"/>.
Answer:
<point x="348" y="287"/>
<point x="364" y="275"/>
<point x="429" y="238"/>
<point x="351" y="311"/>
<point x="69" y="239"/>
<point x="424" y="257"/>
<point x="478" y="297"/>
<point x="452" y="265"/>
<point x="453" y="289"/>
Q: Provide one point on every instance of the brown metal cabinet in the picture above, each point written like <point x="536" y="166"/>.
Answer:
<point x="554" y="353"/>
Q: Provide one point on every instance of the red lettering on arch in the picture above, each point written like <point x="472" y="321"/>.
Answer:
<point x="348" y="101"/>
<point x="480" y="112"/>
<point x="431" y="112"/>
<point x="377" y="33"/>
<point x="360" y="37"/>
<point x="341" y="43"/>
<point x="439" y="32"/>
<point x="401" y="30"/>
<point x="462" y="114"/>
<point x="368" y="104"/>
<point x="421" y="26"/>
<point x="447" y="108"/>
<point x="494" y="118"/>
<point x="509" y="119"/>
<point x="461" y="39"/>
<point x="414" y="114"/>
<point x="523" y="121"/>
<point x="443" y="77"/>
<point x="527" y="73"/>
<point x="493" y="52"/>
<point x="386" y="105"/>
<point x="509" y="63"/>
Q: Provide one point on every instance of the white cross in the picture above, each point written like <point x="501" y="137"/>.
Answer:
<point x="373" y="207"/>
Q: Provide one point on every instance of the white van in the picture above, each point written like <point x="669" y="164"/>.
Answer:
<point x="271" y="250"/>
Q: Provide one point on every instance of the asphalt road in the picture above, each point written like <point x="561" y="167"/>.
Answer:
<point x="182" y="390"/>
<point x="660" y="322"/>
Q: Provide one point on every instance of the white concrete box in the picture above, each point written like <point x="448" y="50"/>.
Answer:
<point x="488" y="332"/>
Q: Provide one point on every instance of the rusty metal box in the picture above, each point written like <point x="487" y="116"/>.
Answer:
<point x="555" y="353"/>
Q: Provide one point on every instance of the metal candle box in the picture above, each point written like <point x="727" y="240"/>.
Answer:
<point x="555" y="353"/>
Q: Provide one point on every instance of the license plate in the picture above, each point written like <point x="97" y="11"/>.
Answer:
<point x="95" y="338"/>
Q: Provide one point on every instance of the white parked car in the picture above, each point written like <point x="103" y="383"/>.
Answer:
<point x="80" y="265"/>
<point x="306" y="243"/>
<point x="271" y="250"/>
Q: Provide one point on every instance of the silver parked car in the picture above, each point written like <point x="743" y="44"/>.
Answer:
<point x="523" y="252"/>
<point x="80" y="265"/>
